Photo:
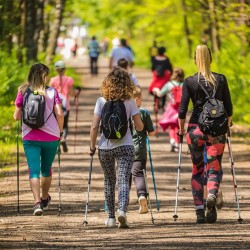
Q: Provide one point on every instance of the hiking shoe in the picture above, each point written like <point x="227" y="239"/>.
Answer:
<point x="123" y="223"/>
<point x="219" y="200"/>
<point x="172" y="146"/>
<point x="211" y="209"/>
<point x="64" y="145"/>
<point x="143" y="203"/>
<point x="200" y="213"/>
<point x="38" y="209"/>
<point x="45" y="203"/>
<point x="110" y="222"/>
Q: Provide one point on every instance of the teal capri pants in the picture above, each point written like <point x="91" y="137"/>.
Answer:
<point x="40" y="156"/>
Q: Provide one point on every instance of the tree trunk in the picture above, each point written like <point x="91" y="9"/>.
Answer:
<point x="20" y="32"/>
<point x="55" y="30"/>
<point x="39" y="23"/>
<point x="186" y="28"/>
<point x="214" y="27"/>
<point x="6" y="24"/>
<point x="30" y="27"/>
<point x="242" y="21"/>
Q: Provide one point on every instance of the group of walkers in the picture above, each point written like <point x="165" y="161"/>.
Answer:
<point x="124" y="133"/>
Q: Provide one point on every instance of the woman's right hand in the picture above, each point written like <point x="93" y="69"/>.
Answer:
<point x="156" y="91"/>
<point x="181" y="131"/>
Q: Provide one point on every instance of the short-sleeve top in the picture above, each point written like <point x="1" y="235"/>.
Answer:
<point x="50" y="131"/>
<point x="119" y="53"/>
<point x="131" y="110"/>
<point x="62" y="86"/>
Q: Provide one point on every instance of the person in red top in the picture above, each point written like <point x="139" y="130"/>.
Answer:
<point x="64" y="85"/>
<point x="162" y="70"/>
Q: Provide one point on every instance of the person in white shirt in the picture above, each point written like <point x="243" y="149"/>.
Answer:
<point x="116" y="86"/>
<point x="121" y="52"/>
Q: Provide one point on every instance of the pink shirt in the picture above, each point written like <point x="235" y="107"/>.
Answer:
<point x="62" y="86"/>
<point x="37" y="134"/>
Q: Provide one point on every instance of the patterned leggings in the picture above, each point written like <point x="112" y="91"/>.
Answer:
<point x="215" y="148"/>
<point x="124" y="155"/>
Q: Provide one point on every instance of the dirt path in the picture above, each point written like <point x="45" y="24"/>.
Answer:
<point x="24" y="231"/>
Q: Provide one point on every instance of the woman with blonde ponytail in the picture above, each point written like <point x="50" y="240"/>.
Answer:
<point x="196" y="140"/>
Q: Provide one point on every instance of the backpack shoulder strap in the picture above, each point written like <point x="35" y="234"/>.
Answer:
<point x="205" y="91"/>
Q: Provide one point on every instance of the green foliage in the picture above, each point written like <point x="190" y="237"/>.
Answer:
<point x="142" y="21"/>
<point x="12" y="74"/>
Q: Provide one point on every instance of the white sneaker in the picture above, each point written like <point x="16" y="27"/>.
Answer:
<point x="110" y="222"/>
<point x="219" y="200"/>
<point x="143" y="205"/>
<point x="123" y="223"/>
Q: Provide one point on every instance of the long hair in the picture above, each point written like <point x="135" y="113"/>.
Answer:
<point x="178" y="75"/>
<point x="117" y="85"/>
<point x="37" y="78"/>
<point x="203" y="59"/>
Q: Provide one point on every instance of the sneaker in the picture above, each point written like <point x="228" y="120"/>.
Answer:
<point x="172" y="147"/>
<point x="211" y="209"/>
<point x="110" y="222"/>
<point x="143" y="203"/>
<point x="38" y="209"/>
<point x="45" y="203"/>
<point x="64" y="145"/>
<point x="219" y="200"/>
<point x="200" y="213"/>
<point x="123" y="223"/>
<point x="176" y="149"/>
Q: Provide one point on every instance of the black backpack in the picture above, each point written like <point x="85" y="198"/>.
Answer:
<point x="160" y="70"/>
<point x="34" y="109"/>
<point x="114" y="122"/>
<point x="213" y="119"/>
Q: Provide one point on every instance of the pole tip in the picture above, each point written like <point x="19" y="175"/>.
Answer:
<point x="240" y="220"/>
<point x="85" y="223"/>
<point x="175" y="217"/>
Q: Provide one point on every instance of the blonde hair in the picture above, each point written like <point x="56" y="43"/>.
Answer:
<point x="36" y="78"/>
<point x="137" y="92"/>
<point x="203" y="60"/>
<point x="117" y="85"/>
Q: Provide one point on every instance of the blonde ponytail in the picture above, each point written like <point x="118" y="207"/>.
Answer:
<point x="203" y="60"/>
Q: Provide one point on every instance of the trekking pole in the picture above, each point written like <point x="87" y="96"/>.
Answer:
<point x="59" y="178"/>
<point x="76" y="103"/>
<point x="175" y="216"/>
<point x="156" y="108"/>
<point x="17" y="164"/>
<point x="85" y="222"/>
<point x="153" y="175"/>
<point x="149" y="203"/>
<point x="233" y="174"/>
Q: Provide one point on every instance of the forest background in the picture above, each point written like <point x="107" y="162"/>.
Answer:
<point x="29" y="30"/>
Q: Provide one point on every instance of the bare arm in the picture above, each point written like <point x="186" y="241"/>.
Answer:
<point x="17" y="114"/>
<point x="137" y="122"/>
<point x="131" y="64"/>
<point x="230" y="122"/>
<point x="59" y="116"/>
<point x="151" y="133"/>
<point x="94" y="131"/>
<point x="110" y="63"/>
<point x="181" y="125"/>
<point x="71" y="91"/>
